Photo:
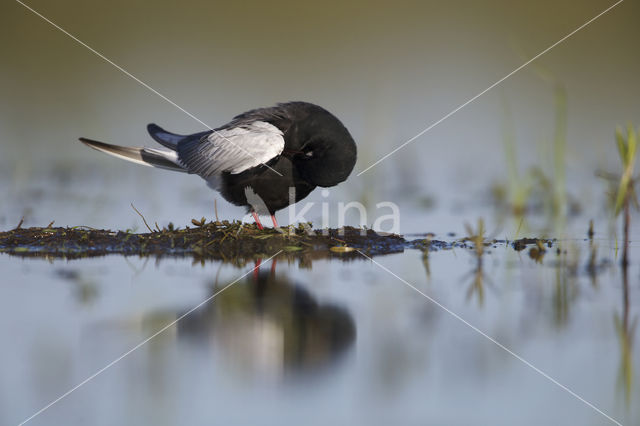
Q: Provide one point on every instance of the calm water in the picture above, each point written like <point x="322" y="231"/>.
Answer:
<point x="322" y="342"/>
<point x="336" y="343"/>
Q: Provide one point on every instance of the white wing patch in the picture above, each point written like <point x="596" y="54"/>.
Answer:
<point x="233" y="150"/>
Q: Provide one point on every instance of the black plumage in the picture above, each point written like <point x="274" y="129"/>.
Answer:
<point x="261" y="153"/>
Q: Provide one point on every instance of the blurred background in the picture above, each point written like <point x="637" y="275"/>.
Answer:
<point x="386" y="71"/>
<point x="322" y="341"/>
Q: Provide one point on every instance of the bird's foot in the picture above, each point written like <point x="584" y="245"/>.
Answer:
<point x="257" y="219"/>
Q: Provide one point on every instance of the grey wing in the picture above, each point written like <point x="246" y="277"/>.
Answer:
<point x="232" y="149"/>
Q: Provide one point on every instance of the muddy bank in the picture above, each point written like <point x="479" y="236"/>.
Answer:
<point x="215" y="240"/>
<point x="220" y="241"/>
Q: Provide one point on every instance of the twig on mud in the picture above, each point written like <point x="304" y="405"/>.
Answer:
<point x="143" y="219"/>
<point x="19" y="223"/>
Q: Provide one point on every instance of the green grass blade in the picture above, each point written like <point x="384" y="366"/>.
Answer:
<point x="622" y="147"/>
<point x="627" y="151"/>
<point x="632" y="141"/>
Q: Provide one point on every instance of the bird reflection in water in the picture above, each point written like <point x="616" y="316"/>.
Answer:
<point x="268" y="327"/>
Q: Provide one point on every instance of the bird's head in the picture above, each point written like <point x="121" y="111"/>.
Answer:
<point x="325" y="153"/>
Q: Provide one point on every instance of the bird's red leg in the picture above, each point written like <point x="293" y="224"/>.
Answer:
<point x="256" y="269"/>
<point x="257" y="219"/>
<point x="275" y="224"/>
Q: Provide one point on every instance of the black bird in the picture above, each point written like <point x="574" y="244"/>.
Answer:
<point x="257" y="157"/>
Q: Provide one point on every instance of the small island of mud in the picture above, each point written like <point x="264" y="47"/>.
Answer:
<point x="222" y="240"/>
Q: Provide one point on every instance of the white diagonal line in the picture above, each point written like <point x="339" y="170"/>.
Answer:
<point x="142" y="83"/>
<point x="139" y="345"/>
<point x="492" y="86"/>
<point x="491" y="339"/>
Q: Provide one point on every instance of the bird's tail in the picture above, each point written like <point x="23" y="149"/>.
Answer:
<point x="168" y="139"/>
<point x="152" y="157"/>
<point x="171" y="140"/>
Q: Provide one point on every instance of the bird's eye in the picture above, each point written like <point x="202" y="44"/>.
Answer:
<point x="308" y="154"/>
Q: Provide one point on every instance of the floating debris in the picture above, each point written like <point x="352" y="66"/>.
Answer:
<point x="522" y="243"/>
<point x="342" y="249"/>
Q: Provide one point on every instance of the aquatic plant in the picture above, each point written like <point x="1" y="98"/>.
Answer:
<point x="537" y="189"/>
<point x="627" y="151"/>
<point x="518" y="187"/>
<point x="559" y="204"/>
<point x="625" y="193"/>
<point x="477" y="237"/>
<point x="624" y="196"/>
<point x="625" y="330"/>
